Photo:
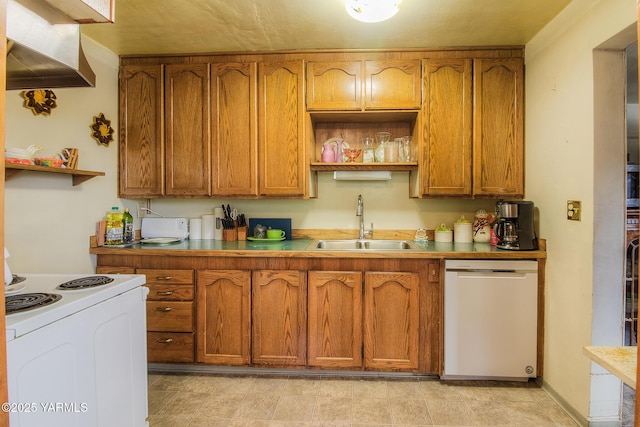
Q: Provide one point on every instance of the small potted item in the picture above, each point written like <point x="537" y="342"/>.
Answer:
<point x="443" y="234"/>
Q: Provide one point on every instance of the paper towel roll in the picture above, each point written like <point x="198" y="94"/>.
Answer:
<point x="195" y="228"/>
<point x="219" y="215"/>
<point x="208" y="225"/>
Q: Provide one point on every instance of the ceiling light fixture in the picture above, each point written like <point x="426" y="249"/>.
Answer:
<point x="372" y="10"/>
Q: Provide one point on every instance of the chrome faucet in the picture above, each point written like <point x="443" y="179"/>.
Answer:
<point x="360" y="212"/>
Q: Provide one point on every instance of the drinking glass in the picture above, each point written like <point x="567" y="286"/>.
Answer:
<point x="368" y="149"/>
<point x="383" y="138"/>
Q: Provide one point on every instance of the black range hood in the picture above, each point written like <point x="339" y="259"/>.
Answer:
<point x="41" y="54"/>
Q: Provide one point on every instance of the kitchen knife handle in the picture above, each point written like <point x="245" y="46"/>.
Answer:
<point x="164" y="309"/>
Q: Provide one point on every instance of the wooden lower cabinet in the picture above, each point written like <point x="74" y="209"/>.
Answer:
<point x="335" y="319"/>
<point x="391" y="317"/>
<point x="386" y="335"/>
<point x="279" y="318"/>
<point x="224" y="317"/>
<point x="338" y="314"/>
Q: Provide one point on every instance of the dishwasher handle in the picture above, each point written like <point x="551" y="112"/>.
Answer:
<point x="494" y="274"/>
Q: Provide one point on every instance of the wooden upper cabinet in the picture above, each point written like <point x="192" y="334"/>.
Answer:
<point x="335" y="319"/>
<point x="447" y="127"/>
<point x="282" y="152"/>
<point x="393" y="85"/>
<point x="498" y="134"/>
<point x="391" y="320"/>
<point x="141" y="147"/>
<point x="187" y="135"/>
<point x="234" y="129"/>
<point x="364" y="85"/>
<point x="334" y="85"/>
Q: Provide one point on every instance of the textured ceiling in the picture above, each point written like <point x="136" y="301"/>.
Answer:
<point x="191" y="26"/>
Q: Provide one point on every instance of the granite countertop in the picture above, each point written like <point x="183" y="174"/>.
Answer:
<point x="299" y="248"/>
<point x="620" y="361"/>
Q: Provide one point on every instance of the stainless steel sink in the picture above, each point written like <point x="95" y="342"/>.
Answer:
<point x="362" y="245"/>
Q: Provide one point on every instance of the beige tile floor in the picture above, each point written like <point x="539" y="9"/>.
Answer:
<point x="214" y="400"/>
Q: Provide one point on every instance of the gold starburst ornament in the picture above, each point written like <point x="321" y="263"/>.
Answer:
<point x="101" y="130"/>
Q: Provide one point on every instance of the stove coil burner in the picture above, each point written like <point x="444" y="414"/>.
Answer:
<point x="24" y="302"/>
<point x="85" y="282"/>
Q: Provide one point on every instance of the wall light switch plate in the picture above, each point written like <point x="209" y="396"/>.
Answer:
<point x="574" y="208"/>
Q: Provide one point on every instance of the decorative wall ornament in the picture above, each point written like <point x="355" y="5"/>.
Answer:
<point x="39" y="101"/>
<point x="101" y="130"/>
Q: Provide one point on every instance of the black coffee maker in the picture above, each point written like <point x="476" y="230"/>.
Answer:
<point x="514" y="226"/>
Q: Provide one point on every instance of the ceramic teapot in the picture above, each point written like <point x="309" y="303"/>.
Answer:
<point x="260" y="231"/>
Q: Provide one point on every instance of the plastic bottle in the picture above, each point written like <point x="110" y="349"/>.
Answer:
<point x="127" y="223"/>
<point x="115" y="227"/>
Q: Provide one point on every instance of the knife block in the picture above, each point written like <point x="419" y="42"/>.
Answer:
<point x="242" y="232"/>
<point x="230" y="234"/>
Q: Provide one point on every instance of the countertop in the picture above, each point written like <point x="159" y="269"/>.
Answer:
<point x="298" y="248"/>
<point x="620" y="361"/>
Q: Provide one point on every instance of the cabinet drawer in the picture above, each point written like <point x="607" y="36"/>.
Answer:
<point x="165" y="277"/>
<point x="170" y="316"/>
<point x="170" y="292"/>
<point x="168" y="347"/>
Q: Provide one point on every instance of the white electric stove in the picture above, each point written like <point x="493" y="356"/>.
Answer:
<point x="78" y="358"/>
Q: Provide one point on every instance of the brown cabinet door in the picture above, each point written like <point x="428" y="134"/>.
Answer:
<point x="187" y="140"/>
<point x="393" y="85"/>
<point x="234" y="123"/>
<point x="447" y="127"/>
<point x="279" y="299"/>
<point x="335" y="319"/>
<point x="498" y="135"/>
<point x="282" y="153"/>
<point x="334" y="85"/>
<point x="141" y="147"/>
<point x="391" y="316"/>
<point x="224" y="317"/>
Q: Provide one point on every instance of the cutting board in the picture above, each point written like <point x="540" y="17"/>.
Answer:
<point x="279" y="223"/>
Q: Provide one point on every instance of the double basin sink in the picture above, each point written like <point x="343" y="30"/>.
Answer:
<point x="362" y="245"/>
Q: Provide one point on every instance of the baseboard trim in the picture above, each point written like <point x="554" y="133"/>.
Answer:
<point x="569" y="409"/>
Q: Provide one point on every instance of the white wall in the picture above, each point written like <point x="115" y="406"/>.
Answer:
<point x="47" y="220"/>
<point x="560" y="167"/>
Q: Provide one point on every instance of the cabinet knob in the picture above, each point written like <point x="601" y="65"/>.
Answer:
<point x="164" y="294"/>
<point x="164" y="340"/>
<point x="164" y="277"/>
<point x="163" y="309"/>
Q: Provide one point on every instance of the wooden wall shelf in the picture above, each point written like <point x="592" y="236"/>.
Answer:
<point x="394" y="167"/>
<point x="78" y="176"/>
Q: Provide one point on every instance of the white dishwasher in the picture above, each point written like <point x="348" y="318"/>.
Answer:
<point x="490" y="319"/>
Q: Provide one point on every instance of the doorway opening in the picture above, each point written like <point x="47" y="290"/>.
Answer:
<point x="609" y="327"/>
